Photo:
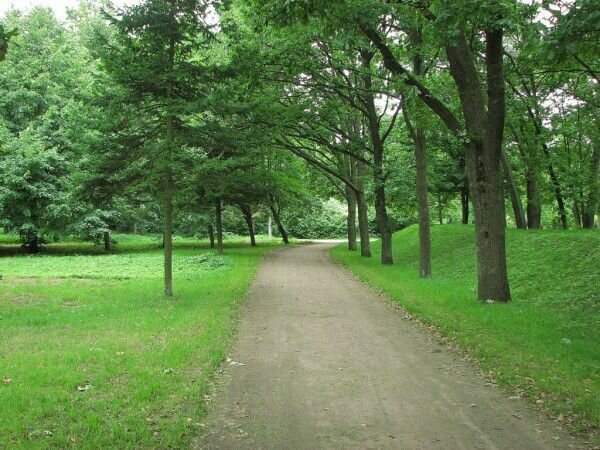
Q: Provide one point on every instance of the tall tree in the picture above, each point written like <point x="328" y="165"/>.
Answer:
<point x="157" y="40"/>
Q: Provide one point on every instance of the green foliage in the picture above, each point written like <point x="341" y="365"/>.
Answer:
<point x="322" y="220"/>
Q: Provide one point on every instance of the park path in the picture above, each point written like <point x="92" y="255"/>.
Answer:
<point x="329" y="364"/>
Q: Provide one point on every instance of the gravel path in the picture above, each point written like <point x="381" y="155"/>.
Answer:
<point x="328" y="364"/>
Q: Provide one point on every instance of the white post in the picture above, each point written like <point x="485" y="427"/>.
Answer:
<point x="270" y="226"/>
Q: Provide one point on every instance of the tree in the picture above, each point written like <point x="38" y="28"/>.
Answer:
<point x="153" y="60"/>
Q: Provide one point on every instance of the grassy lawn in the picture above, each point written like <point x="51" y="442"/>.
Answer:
<point x="93" y="355"/>
<point x="545" y="343"/>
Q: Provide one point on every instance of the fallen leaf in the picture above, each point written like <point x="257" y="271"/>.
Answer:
<point x="7" y="380"/>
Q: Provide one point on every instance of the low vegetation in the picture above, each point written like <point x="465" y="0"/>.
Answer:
<point x="91" y="353"/>
<point x="545" y="343"/>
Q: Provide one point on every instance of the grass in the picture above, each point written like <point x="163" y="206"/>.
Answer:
<point x="545" y="343"/>
<point x="93" y="355"/>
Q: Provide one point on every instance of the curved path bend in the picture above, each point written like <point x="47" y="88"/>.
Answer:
<point x="328" y="364"/>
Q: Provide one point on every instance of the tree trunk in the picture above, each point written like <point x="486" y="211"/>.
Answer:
<point x="363" y="224"/>
<point x="422" y="204"/>
<point x="577" y="214"/>
<point x="219" y="223"/>
<point x="483" y="156"/>
<point x="440" y="210"/>
<point x="383" y="223"/>
<point x="351" y="219"/>
<point x="418" y="135"/>
<point x="464" y="201"/>
<point x="211" y="235"/>
<point x="247" y="212"/>
<point x="515" y="198"/>
<point x="168" y="183"/>
<point x="279" y="225"/>
<point x="106" y="237"/>
<point x="168" y="242"/>
<point x="378" y="172"/>
<point x="534" y="204"/>
<point x="592" y="200"/>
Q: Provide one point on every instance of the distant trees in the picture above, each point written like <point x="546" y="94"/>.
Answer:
<point x="172" y="114"/>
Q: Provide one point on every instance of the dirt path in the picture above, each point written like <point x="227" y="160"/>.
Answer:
<point x="328" y="364"/>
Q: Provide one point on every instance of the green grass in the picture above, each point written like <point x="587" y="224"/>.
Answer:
<point x="545" y="343"/>
<point x="70" y="319"/>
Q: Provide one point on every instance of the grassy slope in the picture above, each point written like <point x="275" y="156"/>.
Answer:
<point x="546" y="342"/>
<point x="102" y="321"/>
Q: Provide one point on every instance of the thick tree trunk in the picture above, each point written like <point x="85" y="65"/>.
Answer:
<point x="464" y="201"/>
<point x="351" y="219"/>
<point x="534" y="204"/>
<point x="106" y="237"/>
<point x="515" y="198"/>
<point x="577" y="214"/>
<point x="168" y="184"/>
<point x="363" y="225"/>
<point x="483" y="157"/>
<point x="247" y="212"/>
<point x="592" y="201"/>
<point x="279" y="225"/>
<point x="219" y="223"/>
<point x="211" y="235"/>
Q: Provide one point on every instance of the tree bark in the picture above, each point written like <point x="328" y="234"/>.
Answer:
<point x="363" y="222"/>
<point x="247" y="212"/>
<point x="378" y="172"/>
<point x="351" y="219"/>
<point x="106" y="237"/>
<point x="418" y="136"/>
<point x="422" y="204"/>
<point x="168" y="241"/>
<point x="483" y="155"/>
<point x="464" y="201"/>
<point x="168" y="182"/>
<point x="219" y="223"/>
<point x="279" y="225"/>
<point x="592" y="201"/>
<point x="211" y="235"/>
<point x="515" y="198"/>
<point x="534" y="204"/>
